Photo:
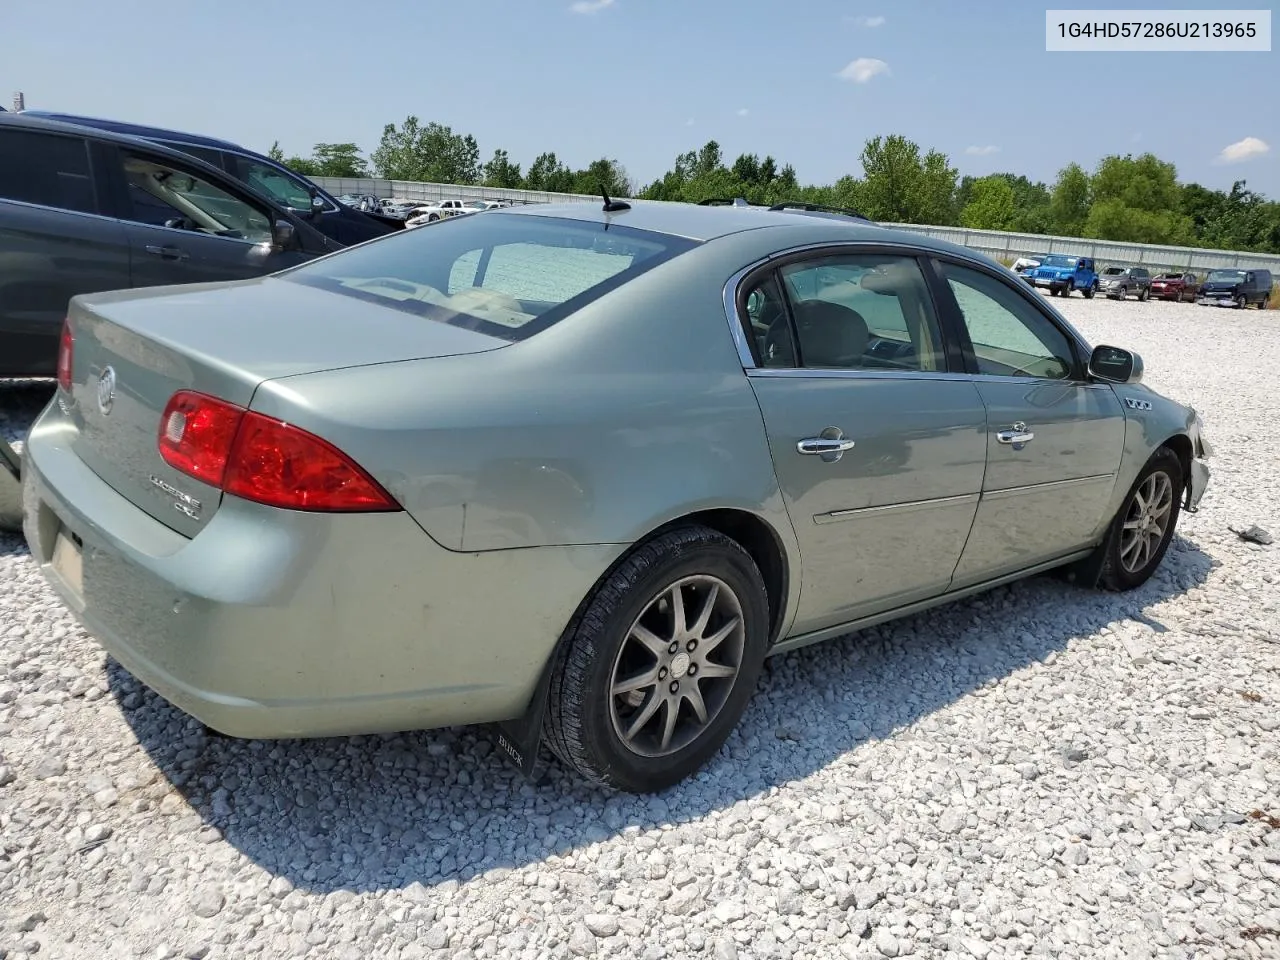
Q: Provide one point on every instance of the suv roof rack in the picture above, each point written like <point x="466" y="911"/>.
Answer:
<point x="818" y="208"/>
<point x="726" y="202"/>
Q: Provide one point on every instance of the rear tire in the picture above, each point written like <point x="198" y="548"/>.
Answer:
<point x="629" y="663"/>
<point x="1144" y="526"/>
<point x="1241" y="302"/>
<point x="1143" y="294"/>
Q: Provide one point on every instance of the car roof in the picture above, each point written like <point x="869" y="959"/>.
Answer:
<point x="136" y="130"/>
<point x="20" y="120"/>
<point x="702" y="223"/>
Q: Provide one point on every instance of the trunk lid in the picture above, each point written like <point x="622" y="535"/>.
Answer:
<point x="222" y="339"/>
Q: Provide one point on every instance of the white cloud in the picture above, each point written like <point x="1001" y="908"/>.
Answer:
<point x="869" y="22"/>
<point x="590" y="6"/>
<point x="689" y="122"/>
<point x="1245" y="149"/>
<point x="743" y="112"/>
<point x="981" y="151"/>
<point x="863" y="69"/>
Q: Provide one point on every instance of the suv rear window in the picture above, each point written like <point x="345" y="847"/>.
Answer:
<point x="48" y="169"/>
<point x="505" y="275"/>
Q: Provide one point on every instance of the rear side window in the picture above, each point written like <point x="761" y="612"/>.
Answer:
<point x="47" y="169"/>
<point x="505" y="275"/>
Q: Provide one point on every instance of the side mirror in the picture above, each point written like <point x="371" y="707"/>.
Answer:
<point x="1115" y="365"/>
<point x="283" y="236"/>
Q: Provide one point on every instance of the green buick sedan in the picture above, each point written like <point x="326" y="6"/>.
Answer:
<point x="576" y="471"/>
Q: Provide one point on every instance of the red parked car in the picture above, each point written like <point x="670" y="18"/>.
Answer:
<point x="1175" y="286"/>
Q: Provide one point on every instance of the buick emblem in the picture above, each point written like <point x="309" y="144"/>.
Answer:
<point x="106" y="390"/>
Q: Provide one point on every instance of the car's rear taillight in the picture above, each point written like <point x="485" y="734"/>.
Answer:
<point x="66" y="346"/>
<point x="262" y="459"/>
<point x="196" y="434"/>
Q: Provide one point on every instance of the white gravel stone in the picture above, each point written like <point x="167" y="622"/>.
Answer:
<point x="1038" y="771"/>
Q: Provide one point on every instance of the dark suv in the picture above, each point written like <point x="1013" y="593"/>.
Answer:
<point x="84" y="210"/>
<point x="306" y="199"/>
<point x="1116" y="283"/>
<point x="1231" y="287"/>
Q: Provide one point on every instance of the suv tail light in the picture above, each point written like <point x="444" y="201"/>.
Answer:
<point x="66" y="345"/>
<point x="264" y="460"/>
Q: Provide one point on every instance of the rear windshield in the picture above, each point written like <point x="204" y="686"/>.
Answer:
<point x="502" y="274"/>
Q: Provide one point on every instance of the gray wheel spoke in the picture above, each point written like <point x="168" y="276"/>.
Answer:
<point x="1132" y="524"/>
<point x="652" y="702"/>
<point x="669" y="724"/>
<point x="655" y="644"/>
<point x="641" y="680"/>
<point x="704" y="615"/>
<point x="710" y="643"/>
<point x="677" y="612"/>
<point x="699" y="706"/>
<point x="712" y="671"/>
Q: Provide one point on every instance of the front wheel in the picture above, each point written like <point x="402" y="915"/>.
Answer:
<point x="1241" y="302"/>
<point x="1144" y="526"/>
<point x="658" y="669"/>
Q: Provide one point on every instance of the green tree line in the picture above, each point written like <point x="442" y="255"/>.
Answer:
<point x="1127" y="198"/>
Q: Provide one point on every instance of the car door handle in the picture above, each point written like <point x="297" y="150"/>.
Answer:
<point x="1018" y="435"/>
<point x="831" y="445"/>
<point x="818" y="445"/>
<point x="167" y="253"/>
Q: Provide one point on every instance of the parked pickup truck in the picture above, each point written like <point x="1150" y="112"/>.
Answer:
<point x="1061" y="274"/>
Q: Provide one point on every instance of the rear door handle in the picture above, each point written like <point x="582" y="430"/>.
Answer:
<point x="1017" y="436"/>
<point x="167" y="253"/>
<point x="830" y="445"/>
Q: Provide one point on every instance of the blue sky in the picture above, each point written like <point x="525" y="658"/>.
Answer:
<point x="644" y="80"/>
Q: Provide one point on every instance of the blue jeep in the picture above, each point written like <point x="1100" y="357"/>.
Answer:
<point x="1062" y="274"/>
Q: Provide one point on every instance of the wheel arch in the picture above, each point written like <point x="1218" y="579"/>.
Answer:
<point x="520" y="737"/>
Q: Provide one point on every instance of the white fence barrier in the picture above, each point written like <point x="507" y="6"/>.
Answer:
<point x="993" y="243"/>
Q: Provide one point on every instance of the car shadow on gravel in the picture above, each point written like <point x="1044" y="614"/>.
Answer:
<point x="379" y="812"/>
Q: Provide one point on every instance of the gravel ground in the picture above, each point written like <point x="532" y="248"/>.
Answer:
<point x="1041" y="770"/>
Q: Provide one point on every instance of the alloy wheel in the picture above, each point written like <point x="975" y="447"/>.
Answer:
<point x="1146" y="521"/>
<point x="677" y="666"/>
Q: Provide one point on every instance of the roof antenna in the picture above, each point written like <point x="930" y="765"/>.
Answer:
<point x="612" y="206"/>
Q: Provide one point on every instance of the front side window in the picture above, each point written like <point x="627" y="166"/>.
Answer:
<point x="273" y="182"/>
<point x="505" y="275"/>
<point x="46" y="169"/>
<point x="848" y="312"/>
<point x="1010" y="337"/>
<point x="161" y="194"/>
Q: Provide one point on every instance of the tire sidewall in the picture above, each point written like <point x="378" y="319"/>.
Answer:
<point x="720" y="558"/>
<point x="1116" y="575"/>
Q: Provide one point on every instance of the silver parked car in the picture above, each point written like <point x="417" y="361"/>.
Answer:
<point x="577" y="471"/>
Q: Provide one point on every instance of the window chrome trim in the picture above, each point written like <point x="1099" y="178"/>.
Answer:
<point x="729" y="298"/>
<point x="1008" y="492"/>
<point x="911" y="506"/>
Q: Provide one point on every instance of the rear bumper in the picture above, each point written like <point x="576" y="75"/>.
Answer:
<point x="277" y="623"/>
